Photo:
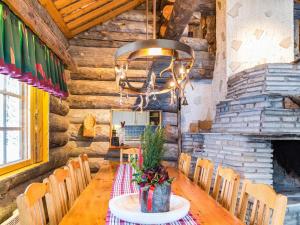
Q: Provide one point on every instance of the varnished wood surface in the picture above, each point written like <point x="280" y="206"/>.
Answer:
<point x="92" y="205"/>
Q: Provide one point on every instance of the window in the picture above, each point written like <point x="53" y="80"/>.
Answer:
<point x="23" y="125"/>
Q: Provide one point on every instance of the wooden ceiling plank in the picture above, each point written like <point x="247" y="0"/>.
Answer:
<point x="108" y="16"/>
<point x="75" y="6"/>
<point x="95" y="13"/>
<point x="56" y="16"/>
<point x="24" y="10"/>
<point x="62" y="3"/>
<point x="85" y="10"/>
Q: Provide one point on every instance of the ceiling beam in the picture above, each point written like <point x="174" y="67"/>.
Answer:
<point x="108" y="16"/>
<point x="85" y="10"/>
<point x="29" y="15"/>
<point x="56" y="16"/>
<point x="181" y="14"/>
<point x="96" y="13"/>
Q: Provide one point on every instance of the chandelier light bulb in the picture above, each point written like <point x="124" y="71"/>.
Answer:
<point x="117" y="69"/>
<point x="182" y="70"/>
<point x="172" y="84"/>
<point x="123" y="74"/>
<point x="155" y="51"/>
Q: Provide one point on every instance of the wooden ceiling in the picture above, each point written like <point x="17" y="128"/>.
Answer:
<point x="76" y="16"/>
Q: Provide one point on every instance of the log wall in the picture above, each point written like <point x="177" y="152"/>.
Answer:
<point x="93" y="89"/>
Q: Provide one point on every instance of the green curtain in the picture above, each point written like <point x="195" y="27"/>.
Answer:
<point x="23" y="56"/>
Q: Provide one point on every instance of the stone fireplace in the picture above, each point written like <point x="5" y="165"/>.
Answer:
<point x="286" y="164"/>
<point x="256" y="130"/>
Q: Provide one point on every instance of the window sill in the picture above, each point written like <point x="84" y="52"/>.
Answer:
<point x="20" y="170"/>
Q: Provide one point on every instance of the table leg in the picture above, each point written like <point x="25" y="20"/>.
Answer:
<point x="121" y="155"/>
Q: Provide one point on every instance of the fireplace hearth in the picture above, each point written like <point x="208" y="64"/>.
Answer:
<point x="286" y="175"/>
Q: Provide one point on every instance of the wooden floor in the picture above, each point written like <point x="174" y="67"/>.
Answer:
<point x="92" y="205"/>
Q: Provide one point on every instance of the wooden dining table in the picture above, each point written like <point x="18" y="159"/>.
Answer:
<point x="91" y="206"/>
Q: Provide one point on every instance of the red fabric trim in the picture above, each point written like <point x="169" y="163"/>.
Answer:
<point x="150" y="198"/>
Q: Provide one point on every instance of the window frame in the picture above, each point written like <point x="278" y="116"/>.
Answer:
<point x="38" y="132"/>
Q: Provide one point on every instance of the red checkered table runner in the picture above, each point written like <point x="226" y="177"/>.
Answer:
<point x="122" y="185"/>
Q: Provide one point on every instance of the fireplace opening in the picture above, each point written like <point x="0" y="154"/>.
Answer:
<point x="286" y="165"/>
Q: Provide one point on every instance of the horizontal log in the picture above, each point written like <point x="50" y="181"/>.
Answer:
<point x="58" y="123"/>
<point x="58" y="139"/>
<point x="171" y="151"/>
<point x="98" y="147"/>
<point x="100" y="102"/>
<point x="171" y="133"/>
<point x="103" y="74"/>
<point x="197" y="44"/>
<point x="135" y="15"/>
<point x="76" y="151"/>
<point x="200" y="73"/>
<point x="110" y="36"/>
<point x="98" y="57"/>
<point x="113" y="102"/>
<point x="102" y="133"/>
<point x="124" y="26"/>
<point x="83" y="87"/>
<point x="77" y="116"/>
<point x="58" y="106"/>
<point x="97" y="43"/>
<point x="169" y="119"/>
<point x="162" y="103"/>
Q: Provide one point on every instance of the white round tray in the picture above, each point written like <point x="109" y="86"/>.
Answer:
<point x="127" y="208"/>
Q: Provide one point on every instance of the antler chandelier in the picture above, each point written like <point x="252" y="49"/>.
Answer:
<point x="164" y="59"/>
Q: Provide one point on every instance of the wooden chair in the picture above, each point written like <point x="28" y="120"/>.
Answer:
<point x="184" y="163"/>
<point x="267" y="204"/>
<point x="76" y="176"/>
<point x="203" y="173"/>
<point x="85" y="167"/>
<point x="226" y="188"/>
<point x="130" y="152"/>
<point x="62" y="191"/>
<point x="31" y="207"/>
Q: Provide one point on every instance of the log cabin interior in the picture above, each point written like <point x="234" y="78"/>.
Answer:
<point x="211" y="87"/>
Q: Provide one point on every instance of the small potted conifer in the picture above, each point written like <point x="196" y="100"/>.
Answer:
<point x="151" y="176"/>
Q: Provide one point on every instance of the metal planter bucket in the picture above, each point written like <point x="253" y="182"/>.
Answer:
<point x="160" y="201"/>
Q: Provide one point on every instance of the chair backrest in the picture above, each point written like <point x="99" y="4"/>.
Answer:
<point x="184" y="163"/>
<point x="31" y="206"/>
<point x="203" y="173"/>
<point x="180" y="161"/>
<point x="63" y="194"/>
<point x="51" y="204"/>
<point x="76" y="176"/>
<point x="267" y="204"/>
<point x="84" y="161"/>
<point x="226" y="188"/>
<point x="131" y="152"/>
